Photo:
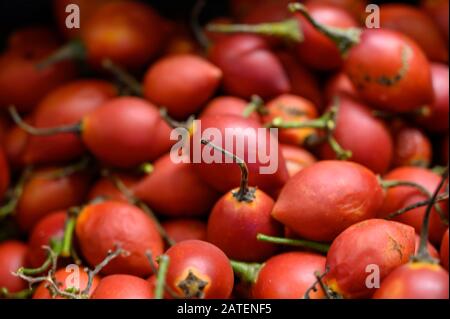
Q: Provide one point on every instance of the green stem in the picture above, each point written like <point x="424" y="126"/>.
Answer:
<point x="323" y="248"/>
<point x="164" y="261"/>
<point x="56" y="246"/>
<point x="123" y="77"/>
<point x="255" y="105"/>
<point x="10" y="207"/>
<point x="73" y="50"/>
<point x="247" y="272"/>
<point x="197" y="29"/>
<point x="68" y="236"/>
<point x="23" y="294"/>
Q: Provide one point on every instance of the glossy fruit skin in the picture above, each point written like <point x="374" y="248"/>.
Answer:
<point x="378" y="242"/>
<point x="181" y="83"/>
<point x="415" y="280"/>
<point x="438" y="10"/>
<point x="123" y="287"/>
<point x="12" y="257"/>
<point x="354" y="7"/>
<point x="412" y="147"/>
<point x="67" y="277"/>
<point x="226" y="176"/>
<point x="187" y="196"/>
<point x="296" y="158"/>
<point x="323" y="208"/>
<point x="206" y="261"/>
<point x="105" y="188"/>
<point x="337" y="85"/>
<point x="399" y="197"/>
<point x="128" y="33"/>
<point x="431" y="250"/>
<point x="43" y="194"/>
<point x="239" y="242"/>
<point x="249" y="67"/>
<point x="228" y="105"/>
<point x="15" y="144"/>
<point x="4" y="173"/>
<point x="50" y="227"/>
<point x="416" y="24"/>
<point x="437" y="120"/>
<point x="444" y="250"/>
<point x="125" y="132"/>
<point x="102" y="226"/>
<point x="317" y="50"/>
<point x="374" y="67"/>
<point x="66" y="105"/>
<point x="26" y="48"/>
<point x="185" y="229"/>
<point x="291" y="108"/>
<point x="288" y="276"/>
<point x="372" y="146"/>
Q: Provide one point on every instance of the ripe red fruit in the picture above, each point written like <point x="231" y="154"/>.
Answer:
<point x="385" y="244"/>
<point x="444" y="250"/>
<point x="431" y="250"/>
<point x="15" y="144"/>
<point x="324" y="207"/>
<point x="372" y="146"/>
<point x="181" y="83"/>
<point x="296" y="158"/>
<point x="187" y="196"/>
<point x="4" y="173"/>
<point x="438" y="10"/>
<point x="411" y="147"/>
<point x="417" y="280"/>
<point x="68" y="279"/>
<point x="402" y="196"/>
<point x="185" y="229"/>
<point x="12" y="257"/>
<point x="337" y="85"/>
<point x="49" y="228"/>
<point x="249" y="67"/>
<point x="198" y="269"/>
<point x="100" y="227"/>
<point x="354" y="7"/>
<point x="123" y="287"/>
<point x="288" y="276"/>
<point x="417" y="25"/>
<point x="106" y="188"/>
<point x="67" y="104"/>
<point x="44" y="193"/>
<point x="228" y="105"/>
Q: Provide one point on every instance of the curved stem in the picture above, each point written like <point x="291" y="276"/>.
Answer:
<point x="256" y="105"/>
<point x="123" y="77"/>
<point x="247" y="272"/>
<point x="161" y="278"/>
<point x="53" y="251"/>
<point x="197" y="29"/>
<point x="69" y="228"/>
<point x="173" y="123"/>
<point x="245" y="193"/>
<point x="68" y="170"/>
<point x="75" y="128"/>
<point x="73" y="50"/>
<point x="288" y="29"/>
<point x="10" y="207"/>
<point x="320" y="247"/>
<point x="23" y="294"/>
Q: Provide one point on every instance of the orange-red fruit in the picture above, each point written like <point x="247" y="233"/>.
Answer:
<point x="185" y="229"/>
<point x="288" y="276"/>
<point x="123" y="287"/>
<point x="431" y="250"/>
<point x="354" y="7"/>
<point x="444" y="250"/>
<point x="100" y="227"/>
<point x="329" y="197"/>
<point x="415" y="280"/>
<point x="296" y="158"/>
<point x="198" y="269"/>
<point x="181" y="83"/>
<point x="106" y="188"/>
<point x="411" y="147"/>
<point x="4" y="173"/>
<point x="228" y="105"/>
<point x="15" y="143"/>
<point x="438" y="11"/>
<point x="337" y="85"/>
<point x="374" y="245"/>
<point x="12" y="257"/>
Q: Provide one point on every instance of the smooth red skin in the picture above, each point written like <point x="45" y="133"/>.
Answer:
<point x="317" y="50"/>
<point x="181" y="83"/>
<point x="431" y="250"/>
<point x="354" y="7"/>
<point x="240" y="8"/>
<point x="288" y="276"/>
<point x="303" y="82"/>
<point x="228" y="105"/>
<point x="296" y="158"/>
<point x="102" y="226"/>
<point x="249" y="67"/>
<point x="42" y="292"/>
<point x="48" y="228"/>
<point x="412" y="147"/>
<point x="66" y="105"/>
<point x="399" y="197"/>
<point x="125" y="132"/>
<point x="415" y="281"/>
<point x="379" y="242"/>
<point x="12" y="257"/>
<point x="444" y="250"/>
<point x="15" y="144"/>
<point x="185" y="229"/>
<point x="129" y="33"/>
<point x="185" y="196"/>
<point x="379" y="54"/>
<point x="417" y="25"/>
<point x="337" y="85"/>
<point x="372" y="146"/>
<point x="233" y="227"/>
<point x="226" y="176"/>
<point x="43" y="195"/>
<point x="123" y="287"/>
<point x="437" y="121"/>
<point x="438" y="10"/>
<point x="324" y="207"/>
<point x="4" y="173"/>
<point x="205" y="260"/>
<point x="104" y="187"/>
<point x="21" y="83"/>
<point x="284" y="106"/>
